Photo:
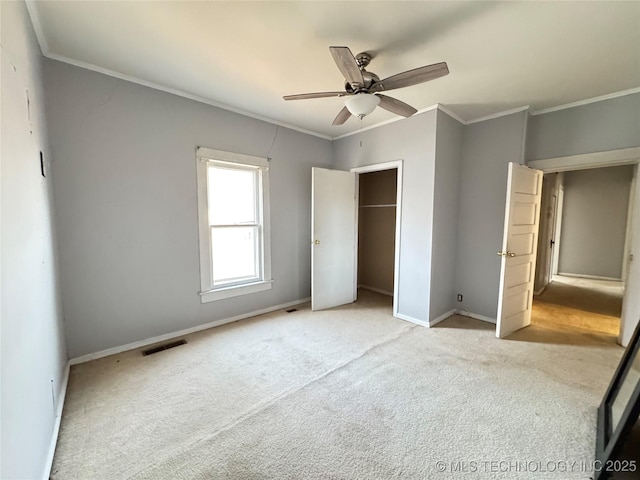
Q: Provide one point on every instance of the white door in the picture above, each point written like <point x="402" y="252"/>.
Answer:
<point x="333" y="237"/>
<point x="519" y="244"/>
<point x="631" y="302"/>
<point x="557" y="230"/>
<point x="548" y="229"/>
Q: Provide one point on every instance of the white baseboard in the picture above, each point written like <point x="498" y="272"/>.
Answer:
<point x="169" y="336"/>
<point x="591" y="277"/>
<point x="407" y="318"/>
<point x="445" y="316"/>
<point x="56" y="425"/>
<point x="476" y="316"/>
<point x="539" y="292"/>
<point x="130" y="346"/>
<point x="442" y="317"/>
<point x="180" y="333"/>
<point x="377" y="290"/>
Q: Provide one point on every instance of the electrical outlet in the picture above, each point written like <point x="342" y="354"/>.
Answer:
<point x="459" y="297"/>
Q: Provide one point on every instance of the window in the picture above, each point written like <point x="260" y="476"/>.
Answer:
<point x="233" y="217"/>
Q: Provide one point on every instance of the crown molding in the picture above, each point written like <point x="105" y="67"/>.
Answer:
<point x="498" y="115"/>
<point x="446" y="110"/>
<point x="180" y="93"/>
<point x="587" y="101"/>
<point x="44" y="47"/>
<point x="37" y="26"/>
<point x="385" y="122"/>
<point x="443" y="109"/>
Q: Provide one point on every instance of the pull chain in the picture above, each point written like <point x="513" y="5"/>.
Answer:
<point x="361" y="132"/>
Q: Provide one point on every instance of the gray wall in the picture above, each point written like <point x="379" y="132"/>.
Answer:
<point x="487" y="149"/>
<point x="449" y="136"/>
<point x="594" y="221"/>
<point x="596" y="127"/>
<point x="413" y="141"/>
<point x="33" y="353"/>
<point x="126" y="208"/>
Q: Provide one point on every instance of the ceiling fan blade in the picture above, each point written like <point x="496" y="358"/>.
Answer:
<point x="395" y="106"/>
<point x="411" y="77"/>
<point x="347" y="64"/>
<point x="342" y="117"/>
<point x="305" y="96"/>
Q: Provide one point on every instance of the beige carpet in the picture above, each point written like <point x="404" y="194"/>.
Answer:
<point x="350" y="393"/>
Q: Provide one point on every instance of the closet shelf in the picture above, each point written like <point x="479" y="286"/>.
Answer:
<point x="386" y="205"/>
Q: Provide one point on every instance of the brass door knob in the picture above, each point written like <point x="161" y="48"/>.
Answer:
<point x="316" y="242"/>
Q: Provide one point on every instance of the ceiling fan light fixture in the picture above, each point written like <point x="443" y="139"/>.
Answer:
<point x="362" y="104"/>
<point x="363" y="88"/>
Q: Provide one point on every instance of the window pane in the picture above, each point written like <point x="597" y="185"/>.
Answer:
<point x="234" y="253"/>
<point x="232" y="196"/>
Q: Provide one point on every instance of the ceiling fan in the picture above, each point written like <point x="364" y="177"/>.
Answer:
<point x="363" y="87"/>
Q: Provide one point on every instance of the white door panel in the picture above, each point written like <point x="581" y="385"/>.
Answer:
<point x="520" y="240"/>
<point x="333" y="236"/>
<point x="631" y="302"/>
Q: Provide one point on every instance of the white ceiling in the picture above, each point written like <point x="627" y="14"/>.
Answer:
<point x="246" y="55"/>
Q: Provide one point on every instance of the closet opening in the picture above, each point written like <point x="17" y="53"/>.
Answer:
<point x="378" y="232"/>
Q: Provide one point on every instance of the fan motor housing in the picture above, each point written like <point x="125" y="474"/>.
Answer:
<point x="369" y="79"/>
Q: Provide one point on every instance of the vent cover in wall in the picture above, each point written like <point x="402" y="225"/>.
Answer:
<point x="160" y="348"/>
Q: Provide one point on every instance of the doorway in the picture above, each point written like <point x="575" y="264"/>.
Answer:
<point x="336" y="271"/>
<point x="583" y="250"/>
<point x="377" y="194"/>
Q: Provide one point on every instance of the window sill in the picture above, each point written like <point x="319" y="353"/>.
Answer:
<point x="235" y="291"/>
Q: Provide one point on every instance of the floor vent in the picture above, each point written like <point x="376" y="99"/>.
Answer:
<point x="160" y="348"/>
<point x="292" y="310"/>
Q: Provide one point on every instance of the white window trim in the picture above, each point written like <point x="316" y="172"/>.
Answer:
<point x="207" y="293"/>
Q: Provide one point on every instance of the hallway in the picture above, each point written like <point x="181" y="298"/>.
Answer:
<point x="581" y="309"/>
